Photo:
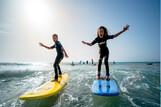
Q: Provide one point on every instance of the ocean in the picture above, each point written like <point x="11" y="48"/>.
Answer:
<point x="139" y="84"/>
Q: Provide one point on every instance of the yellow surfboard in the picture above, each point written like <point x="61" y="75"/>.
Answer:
<point x="48" y="89"/>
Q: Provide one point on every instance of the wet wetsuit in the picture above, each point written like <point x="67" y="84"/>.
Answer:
<point x="58" y="59"/>
<point x="104" y="52"/>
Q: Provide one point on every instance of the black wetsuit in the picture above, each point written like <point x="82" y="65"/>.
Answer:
<point x="104" y="52"/>
<point x="58" y="59"/>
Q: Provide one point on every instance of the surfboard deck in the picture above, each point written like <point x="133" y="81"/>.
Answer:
<point x="48" y="89"/>
<point x="105" y="88"/>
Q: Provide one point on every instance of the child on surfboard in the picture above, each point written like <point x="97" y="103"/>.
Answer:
<point x="60" y="54"/>
<point x="102" y="37"/>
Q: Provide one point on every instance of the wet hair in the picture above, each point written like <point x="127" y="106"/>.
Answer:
<point x="55" y="35"/>
<point x="105" y="30"/>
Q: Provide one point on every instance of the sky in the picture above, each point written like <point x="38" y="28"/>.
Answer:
<point x="25" y="23"/>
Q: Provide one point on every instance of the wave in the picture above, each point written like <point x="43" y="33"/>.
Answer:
<point x="130" y="99"/>
<point x="6" y="63"/>
<point x="8" y="74"/>
<point x="129" y="81"/>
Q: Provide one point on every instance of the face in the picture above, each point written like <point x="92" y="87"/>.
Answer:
<point x="101" y="33"/>
<point x="55" y="38"/>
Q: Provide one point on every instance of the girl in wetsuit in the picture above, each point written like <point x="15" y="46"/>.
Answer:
<point x="102" y="37"/>
<point x="60" y="54"/>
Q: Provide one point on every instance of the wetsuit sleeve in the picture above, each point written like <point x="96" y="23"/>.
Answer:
<point x="52" y="46"/>
<point x="110" y="36"/>
<point x="59" y="44"/>
<point x="94" y="41"/>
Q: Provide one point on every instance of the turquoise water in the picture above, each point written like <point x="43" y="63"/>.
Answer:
<point x="139" y="85"/>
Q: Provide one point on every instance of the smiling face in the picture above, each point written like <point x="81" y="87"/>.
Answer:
<point x="55" y="37"/>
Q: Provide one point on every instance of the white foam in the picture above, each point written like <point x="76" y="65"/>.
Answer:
<point x="132" y="102"/>
<point x="145" y="85"/>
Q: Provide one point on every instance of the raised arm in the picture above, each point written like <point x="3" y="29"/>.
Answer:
<point x="86" y="43"/>
<point x="47" y="47"/>
<point x="125" y="28"/>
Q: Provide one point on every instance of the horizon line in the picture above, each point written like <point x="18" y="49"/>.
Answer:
<point x="75" y="62"/>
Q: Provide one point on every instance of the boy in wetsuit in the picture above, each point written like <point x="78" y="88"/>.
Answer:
<point x="102" y="37"/>
<point x="60" y="54"/>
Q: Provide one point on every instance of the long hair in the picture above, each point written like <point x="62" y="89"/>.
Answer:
<point x="105" y="30"/>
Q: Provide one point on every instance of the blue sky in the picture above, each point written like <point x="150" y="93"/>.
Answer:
<point x="24" y="23"/>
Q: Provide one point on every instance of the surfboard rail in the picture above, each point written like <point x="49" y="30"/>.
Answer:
<point x="48" y="89"/>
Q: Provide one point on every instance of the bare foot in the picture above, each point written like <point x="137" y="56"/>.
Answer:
<point x="54" y="80"/>
<point x="107" y="78"/>
<point x="60" y="75"/>
<point x="98" y="77"/>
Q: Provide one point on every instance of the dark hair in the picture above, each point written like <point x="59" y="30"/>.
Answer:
<point x="105" y="30"/>
<point x="55" y="35"/>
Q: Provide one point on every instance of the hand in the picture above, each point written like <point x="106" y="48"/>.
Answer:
<point x="66" y="56"/>
<point x="83" y="42"/>
<point x="40" y="44"/>
<point x="126" y="27"/>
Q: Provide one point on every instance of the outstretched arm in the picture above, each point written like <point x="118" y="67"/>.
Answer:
<point x="66" y="55"/>
<point x="47" y="47"/>
<point x="86" y="43"/>
<point x="125" y="28"/>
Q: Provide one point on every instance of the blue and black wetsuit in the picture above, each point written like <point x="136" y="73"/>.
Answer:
<point x="104" y="52"/>
<point x="58" y="59"/>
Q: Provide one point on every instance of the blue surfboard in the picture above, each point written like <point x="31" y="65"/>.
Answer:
<point x="105" y="88"/>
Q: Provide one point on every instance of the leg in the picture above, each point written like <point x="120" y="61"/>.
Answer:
<point x="59" y="66"/>
<point x="107" y="65"/>
<point x="56" y="64"/>
<point x="55" y="69"/>
<point x="59" y="70"/>
<point x="99" y="66"/>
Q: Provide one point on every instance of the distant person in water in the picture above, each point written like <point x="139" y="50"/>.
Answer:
<point x="60" y="54"/>
<point x="102" y="37"/>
